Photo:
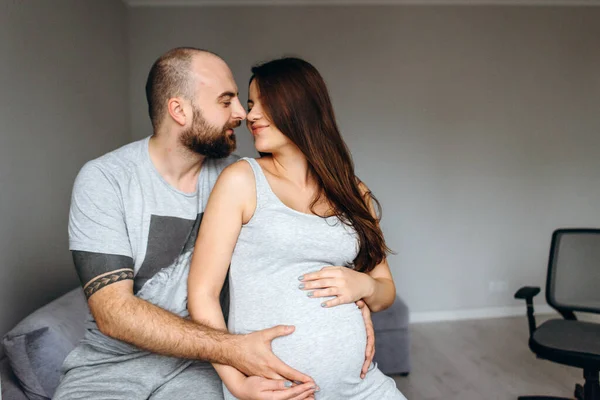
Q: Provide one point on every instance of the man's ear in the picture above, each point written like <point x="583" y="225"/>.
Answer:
<point x="176" y="109"/>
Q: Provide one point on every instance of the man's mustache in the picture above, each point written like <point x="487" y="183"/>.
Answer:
<point x="233" y="125"/>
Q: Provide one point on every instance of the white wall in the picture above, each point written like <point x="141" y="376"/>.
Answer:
<point x="478" y="128"/>
<point x="63" y="101"/>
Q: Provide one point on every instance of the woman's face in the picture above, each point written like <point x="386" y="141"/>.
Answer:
<point x="267" y="138"/>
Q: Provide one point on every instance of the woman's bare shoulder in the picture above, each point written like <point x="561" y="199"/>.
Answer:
<point x="237" y="177"/>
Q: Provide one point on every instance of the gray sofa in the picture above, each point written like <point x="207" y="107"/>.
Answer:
<point x="37" y="346"/>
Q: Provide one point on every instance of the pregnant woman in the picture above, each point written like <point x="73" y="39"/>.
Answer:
<point x="300" y="237"/>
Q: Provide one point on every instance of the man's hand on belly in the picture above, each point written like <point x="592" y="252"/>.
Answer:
<point x="252" y="354"/>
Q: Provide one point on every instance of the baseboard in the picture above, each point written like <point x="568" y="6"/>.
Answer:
<point x="476" y="313"/>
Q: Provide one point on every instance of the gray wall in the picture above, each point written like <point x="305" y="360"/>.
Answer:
<point x="478" y="128"/>
<point x="64" y="100"/>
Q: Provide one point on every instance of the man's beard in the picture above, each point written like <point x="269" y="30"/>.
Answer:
<point x="207" y="140"/>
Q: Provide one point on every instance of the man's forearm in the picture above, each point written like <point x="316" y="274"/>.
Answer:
<point x="154" y="329"/>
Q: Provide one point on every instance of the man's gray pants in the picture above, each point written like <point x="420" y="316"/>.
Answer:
<point x="94" y="371"/>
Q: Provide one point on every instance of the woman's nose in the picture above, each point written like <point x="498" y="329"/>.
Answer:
<point x="253" y="116"/>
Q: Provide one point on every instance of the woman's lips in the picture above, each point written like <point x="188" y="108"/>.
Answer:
<point x="257" y="129"/>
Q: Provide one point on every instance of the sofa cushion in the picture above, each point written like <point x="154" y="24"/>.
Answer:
<point x="392" y="338"/>
<point x="38" y="345"/>
<point x="395" y="317"/>
<point x="392" y="351"/>
<point x="11" y="390"/>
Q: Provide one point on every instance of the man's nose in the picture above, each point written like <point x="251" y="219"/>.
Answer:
<point x="239" y="113"/>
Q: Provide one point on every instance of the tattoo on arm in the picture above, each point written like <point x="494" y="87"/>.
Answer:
<point x="107" y="279"/>
<point x="98" y="270"/>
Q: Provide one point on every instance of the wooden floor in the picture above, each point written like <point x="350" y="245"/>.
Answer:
<point x="481" y="360"/>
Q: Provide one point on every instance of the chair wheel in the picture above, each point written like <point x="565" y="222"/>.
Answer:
<point x="579" y="394"/>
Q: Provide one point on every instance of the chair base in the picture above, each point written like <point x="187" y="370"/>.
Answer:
<point x="589" y="391"/>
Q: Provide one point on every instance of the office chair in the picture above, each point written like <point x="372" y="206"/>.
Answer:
<point x="572" y="284"/>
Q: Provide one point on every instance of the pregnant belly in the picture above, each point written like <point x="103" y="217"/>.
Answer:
<point x="328" y="344"/>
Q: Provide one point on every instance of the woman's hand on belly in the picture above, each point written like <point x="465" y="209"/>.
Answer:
<point x="258" y="388"/>
<point x="347" y="285"/>
<point x="370" y="350"/>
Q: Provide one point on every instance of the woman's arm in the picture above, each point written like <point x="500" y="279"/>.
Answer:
<point x="231" y="201"/>
<point x="381" y="293"/>
<point x="219" y="230"/>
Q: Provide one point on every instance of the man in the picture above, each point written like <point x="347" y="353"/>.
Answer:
<point x="134" y="218"/>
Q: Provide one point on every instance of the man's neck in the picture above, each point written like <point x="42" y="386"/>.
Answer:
<point x="179" y="166"/>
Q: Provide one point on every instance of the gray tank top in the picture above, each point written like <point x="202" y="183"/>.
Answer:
<point x="273" y="249"/>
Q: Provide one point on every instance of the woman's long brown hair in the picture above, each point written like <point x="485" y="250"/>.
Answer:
<point x="296" y="100"/>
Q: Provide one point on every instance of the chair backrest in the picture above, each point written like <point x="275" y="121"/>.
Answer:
<point x="573" y="282"/>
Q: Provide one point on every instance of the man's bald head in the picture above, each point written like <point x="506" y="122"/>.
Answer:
<point x="171" y="76"/>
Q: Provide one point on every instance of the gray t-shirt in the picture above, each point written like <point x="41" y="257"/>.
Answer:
<point x="123" y="209"/>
